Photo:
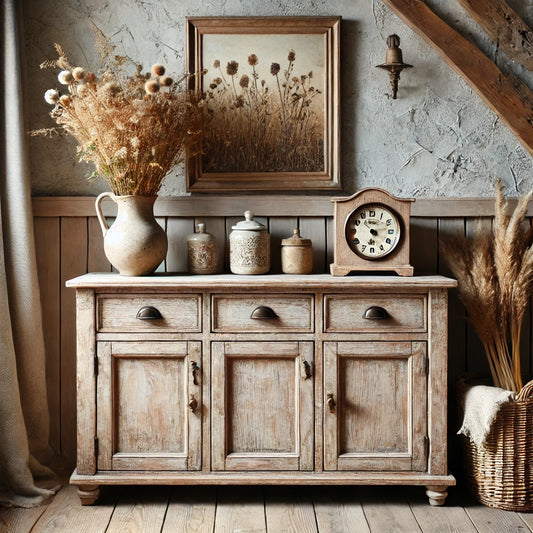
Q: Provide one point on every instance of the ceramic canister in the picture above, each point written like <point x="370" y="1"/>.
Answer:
<point x="249" y="245"/>
<point x="296" y="254"/>
<point x="201" y="251"/>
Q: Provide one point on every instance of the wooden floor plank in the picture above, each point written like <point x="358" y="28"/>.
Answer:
<point x="489" y="520"/>
<point x="450" y="518"/>
<point x="140" y="508"/>
<point x="19" y="520"/>
<point x="387" y="511"/>
<point x="65" y="514"/>
<point x="191" y="510"/>
<point x="258" y="510"/>
<point x="289" y="510"/>
<point x="240" y="509"/>
<point x="338" y="509"/>
<point x="528" y="519"/>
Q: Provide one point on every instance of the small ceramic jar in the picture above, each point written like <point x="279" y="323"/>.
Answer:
<point x="249" y="247"/>
<point x="296" y="254"/>
<point x="201" y="251"/>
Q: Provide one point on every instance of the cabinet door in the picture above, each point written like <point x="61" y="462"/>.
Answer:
<point x="149" y="405"/>
<point x="375" y="406"/>
<point x="262" y="413"/>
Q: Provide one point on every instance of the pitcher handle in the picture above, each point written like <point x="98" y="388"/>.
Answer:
<point x="99" y="214"/>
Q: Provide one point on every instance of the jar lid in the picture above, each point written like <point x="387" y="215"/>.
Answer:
<point x="201" y="234"/>
<point x="296" y="240"/>
<point x="249" y="223"/>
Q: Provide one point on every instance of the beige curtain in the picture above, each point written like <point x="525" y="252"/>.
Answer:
<point x="24" y="418"/>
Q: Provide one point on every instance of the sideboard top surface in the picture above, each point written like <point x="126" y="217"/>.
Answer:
<point x="258" y="282"/>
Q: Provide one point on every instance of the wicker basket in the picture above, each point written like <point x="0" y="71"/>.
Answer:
<point x="501" y="473"/>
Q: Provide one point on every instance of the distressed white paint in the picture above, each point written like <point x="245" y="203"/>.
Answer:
<point x="436" y="139"/>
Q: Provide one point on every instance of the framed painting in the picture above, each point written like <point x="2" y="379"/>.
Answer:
<point x="271" y="103"/>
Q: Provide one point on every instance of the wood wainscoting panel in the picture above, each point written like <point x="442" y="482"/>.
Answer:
<point x="47" y="245"/>
<point x="73" y="262"/>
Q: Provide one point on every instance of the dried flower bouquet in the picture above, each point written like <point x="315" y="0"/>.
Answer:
<point x="494" y="269"/>
<point x="134" y="128"/>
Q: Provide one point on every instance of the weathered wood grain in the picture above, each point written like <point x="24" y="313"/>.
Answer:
<point x="241" y="509"/>
<point x="178" y="229"/>
<point x="339" y="509"/>
<point x="505" y="94"/>
<point x="504" y="27"/>
<point x="116" y="313"/>
<point x="262" y="387"/>
<point x="387" y="512"/>
<point x="289" y="511"/>
<point x="65" y="514"/>
<point x="96" y="258"/>
<point x="345" y="313"/>
<point x="497" y="521"/>
<point x="18" y="519"/>
<point x="233" y="313"/>
<point x="47" y="249"/>
<point x="432" y="519"/>
<point x="191" y="510"/>
<point x="73" y="262"/>
<point x="314" y="228"/>
<point x="140" y="510"/>
<point x="476" y="360"/>
<point x="424" y="245"/>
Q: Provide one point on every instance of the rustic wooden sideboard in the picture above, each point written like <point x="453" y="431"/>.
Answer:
<point x="272" y="379"/>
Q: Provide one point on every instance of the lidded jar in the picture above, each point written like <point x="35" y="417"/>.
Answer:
<point x="249" y="247"/>
<point x="296" y="254"/>
<point x="201" y="251"/>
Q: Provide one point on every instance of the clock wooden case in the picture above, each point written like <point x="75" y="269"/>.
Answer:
<point x="371" y="233"/>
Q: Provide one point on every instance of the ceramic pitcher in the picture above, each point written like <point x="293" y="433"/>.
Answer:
<point x="135" y="244"/>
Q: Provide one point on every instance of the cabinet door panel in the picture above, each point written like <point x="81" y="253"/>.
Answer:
<point x="144" y="421"/>
<point x="262" y="406"/>
<point x="378" y="421"/>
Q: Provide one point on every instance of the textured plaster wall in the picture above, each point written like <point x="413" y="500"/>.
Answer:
<point x="437" y="139"/>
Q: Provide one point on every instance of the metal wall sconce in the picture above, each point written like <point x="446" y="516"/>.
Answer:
<point x="394" y="62"/>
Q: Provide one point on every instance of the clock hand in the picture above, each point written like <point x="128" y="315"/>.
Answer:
<point x="376" y="224"/>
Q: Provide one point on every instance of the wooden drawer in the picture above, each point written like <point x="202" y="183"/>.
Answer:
<point x="257" y="313"/>
<point x="364" y="313"/>
<point x="122" y="313"/>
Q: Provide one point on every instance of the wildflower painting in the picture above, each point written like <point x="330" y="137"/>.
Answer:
<point x="270" y="87"/>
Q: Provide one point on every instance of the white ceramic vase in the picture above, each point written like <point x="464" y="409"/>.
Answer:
<point x="135" y="244"/>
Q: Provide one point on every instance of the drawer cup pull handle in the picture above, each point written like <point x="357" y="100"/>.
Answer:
<point x="331" y="403"/>
<point x="263" y="313"/>
<point x="149" y="313"/>
<point x="375" y="313"/>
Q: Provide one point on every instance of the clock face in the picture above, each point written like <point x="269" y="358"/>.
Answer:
<point x="373" y="231"/>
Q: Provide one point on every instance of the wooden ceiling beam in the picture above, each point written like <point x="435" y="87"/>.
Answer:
<point x="507" y="96"/>
<point x="504" y="27"/>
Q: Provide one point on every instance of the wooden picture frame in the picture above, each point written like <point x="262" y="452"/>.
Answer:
<point x="271" y="113"/>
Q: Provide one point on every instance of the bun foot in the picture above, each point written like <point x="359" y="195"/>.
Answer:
<point x="436" y="494"/>
<point x="88" y="494"/>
